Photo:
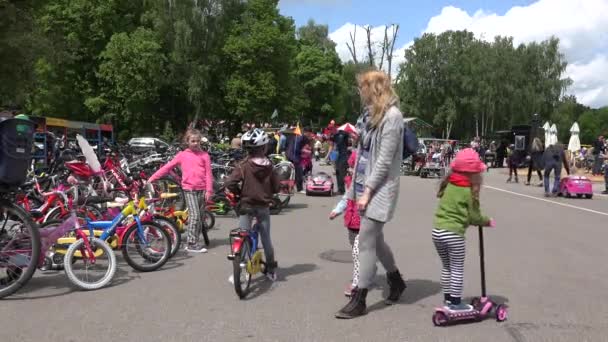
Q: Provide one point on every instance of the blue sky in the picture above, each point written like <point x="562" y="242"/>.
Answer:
<point x="412" y="16"/>
<point x="581" y="26"/>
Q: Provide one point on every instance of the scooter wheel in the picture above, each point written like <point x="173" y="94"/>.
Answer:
<point x="440" y="319"/>
<point x="501" y="313"/>
<point x="475" y="302"/>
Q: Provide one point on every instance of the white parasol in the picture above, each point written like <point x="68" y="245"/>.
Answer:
<point x="546" y="127"/>
<point x="88" y="153"/>
<point x="575" y="142"/>
<point x="553" y="135"/>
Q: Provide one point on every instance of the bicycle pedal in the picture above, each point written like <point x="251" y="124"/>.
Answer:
<point x="230" y="256"/>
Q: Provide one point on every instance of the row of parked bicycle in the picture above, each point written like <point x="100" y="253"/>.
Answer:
<point x="77" y="216"/>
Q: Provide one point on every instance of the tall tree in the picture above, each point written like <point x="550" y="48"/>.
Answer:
<point x="259" y="53"/>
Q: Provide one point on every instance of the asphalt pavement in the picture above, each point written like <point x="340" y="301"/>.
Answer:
<point x="545" y="259"/>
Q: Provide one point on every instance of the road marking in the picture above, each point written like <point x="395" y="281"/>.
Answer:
<point x="546" y="200"/>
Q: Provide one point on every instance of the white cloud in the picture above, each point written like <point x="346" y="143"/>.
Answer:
<point x="590" y="82"/>
<point x="581" y="26"/>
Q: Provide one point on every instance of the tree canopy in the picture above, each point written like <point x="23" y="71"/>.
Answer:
<point x="153" y="66"/>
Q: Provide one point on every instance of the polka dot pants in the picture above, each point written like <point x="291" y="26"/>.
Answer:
<point x="353" y="239"/>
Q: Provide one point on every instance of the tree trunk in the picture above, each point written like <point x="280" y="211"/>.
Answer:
<point x="370" y="52"/>
<point x="389" y="56"/>
<point x="352" y="47"/>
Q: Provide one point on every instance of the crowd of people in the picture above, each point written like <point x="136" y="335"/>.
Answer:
<point x="370" y="191"/>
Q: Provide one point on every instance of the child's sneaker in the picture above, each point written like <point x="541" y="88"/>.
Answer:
<point x="196" y="248"/>
<point x="460" y="307"/>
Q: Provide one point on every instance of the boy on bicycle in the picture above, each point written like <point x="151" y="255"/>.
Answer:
<point x="258" y="184"/>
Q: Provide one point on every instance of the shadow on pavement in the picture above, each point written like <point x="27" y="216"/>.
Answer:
<point x="59" y="281"/>
<point x="341" y="256"/>
<point x="293" y="206"/>
<point x="417" y="290"/>
<point x="262" y="285"/>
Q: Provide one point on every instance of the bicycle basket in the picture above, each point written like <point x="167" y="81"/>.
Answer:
<point x="16" y="141"/>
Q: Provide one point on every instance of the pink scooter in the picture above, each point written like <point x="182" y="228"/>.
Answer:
<point x="483" y="307"/>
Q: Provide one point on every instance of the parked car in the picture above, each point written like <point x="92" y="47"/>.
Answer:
<point x="145" y="144"/>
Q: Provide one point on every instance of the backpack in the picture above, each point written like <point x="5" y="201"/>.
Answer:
<point x="410" y="142"/>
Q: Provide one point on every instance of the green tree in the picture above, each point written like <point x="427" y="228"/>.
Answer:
<point x="75" y="32"/>
<point x="19" y="47"/>
<point x="318" y="73"/>
<point x="131" y="73"/>
<point x="259" y="56"/>
<point x="593" y="123"/>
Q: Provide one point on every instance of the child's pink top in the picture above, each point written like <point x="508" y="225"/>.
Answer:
<point x="196" y="170"/>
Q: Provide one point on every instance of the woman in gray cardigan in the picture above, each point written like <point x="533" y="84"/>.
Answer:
<point x="375" y="186"/>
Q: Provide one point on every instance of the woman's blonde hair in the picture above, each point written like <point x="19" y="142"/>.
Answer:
<point x="190" y="133"/>
<point x="377" y="94"/>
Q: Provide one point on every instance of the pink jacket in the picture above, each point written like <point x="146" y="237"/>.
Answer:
<point x="196" y="170"/>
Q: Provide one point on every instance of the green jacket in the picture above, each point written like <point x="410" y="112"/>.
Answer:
<point x="457" y="210"/>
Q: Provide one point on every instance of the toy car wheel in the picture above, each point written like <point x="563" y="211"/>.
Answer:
<point x="567" y="194"/>
<point x="501" y="313"/>
<point x="440" y="319"/>
<point x="579" y="195"/>
<point x="589" y="196"/>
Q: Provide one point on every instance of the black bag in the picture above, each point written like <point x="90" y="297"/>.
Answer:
<point x="410" y="142"/>
<point x="16" y="141"/>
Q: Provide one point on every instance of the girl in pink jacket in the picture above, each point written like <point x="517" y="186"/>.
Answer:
<point x="197" y="183"/>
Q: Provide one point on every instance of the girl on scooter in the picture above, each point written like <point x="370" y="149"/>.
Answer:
<point x="458" y="209"/>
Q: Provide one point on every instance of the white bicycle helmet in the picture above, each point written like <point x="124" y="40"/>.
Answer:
<point x="254" y="138"/>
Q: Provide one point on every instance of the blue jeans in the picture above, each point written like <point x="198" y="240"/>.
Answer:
<point x="262" y="214"/>
<point x="556" y="167"/>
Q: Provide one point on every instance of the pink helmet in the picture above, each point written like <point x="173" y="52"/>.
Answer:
<point x="468" y="160"/>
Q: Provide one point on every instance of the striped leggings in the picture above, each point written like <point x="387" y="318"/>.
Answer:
<point x="451" y="249"/>
<point x="353" y="238"/>
<point x="193" y="202"/>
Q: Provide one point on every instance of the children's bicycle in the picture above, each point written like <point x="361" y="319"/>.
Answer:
<point x="247" y="258"/>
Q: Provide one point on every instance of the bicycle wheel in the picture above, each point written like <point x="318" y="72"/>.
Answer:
<point x="150" y="254"/>
<point x="208" y="218"/>
<point x="167" y="185"/>
<point x="19" y="248"/>
<point x="242" y="278"/>
<point x="92" y="276"/>
<point x="170" y="227"/>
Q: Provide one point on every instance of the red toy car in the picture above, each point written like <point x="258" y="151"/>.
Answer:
<point x="576" y="185"/>
<point x="321" y="183"/>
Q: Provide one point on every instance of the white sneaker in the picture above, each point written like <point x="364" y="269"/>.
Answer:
<point x="231" y="279"/>
<point x="302" y="192"/>
<point x="196" y="248"/>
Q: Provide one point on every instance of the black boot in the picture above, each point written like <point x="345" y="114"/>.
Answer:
<point x="396" y="287"/>
<point x="356" y="306"/>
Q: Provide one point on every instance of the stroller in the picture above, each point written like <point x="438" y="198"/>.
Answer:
<point x="286" y="173"/>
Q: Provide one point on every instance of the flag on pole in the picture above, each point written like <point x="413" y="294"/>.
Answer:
<point x="297" y="131"/>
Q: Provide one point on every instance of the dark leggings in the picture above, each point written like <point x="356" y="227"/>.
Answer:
<point x="532" y="166"/>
